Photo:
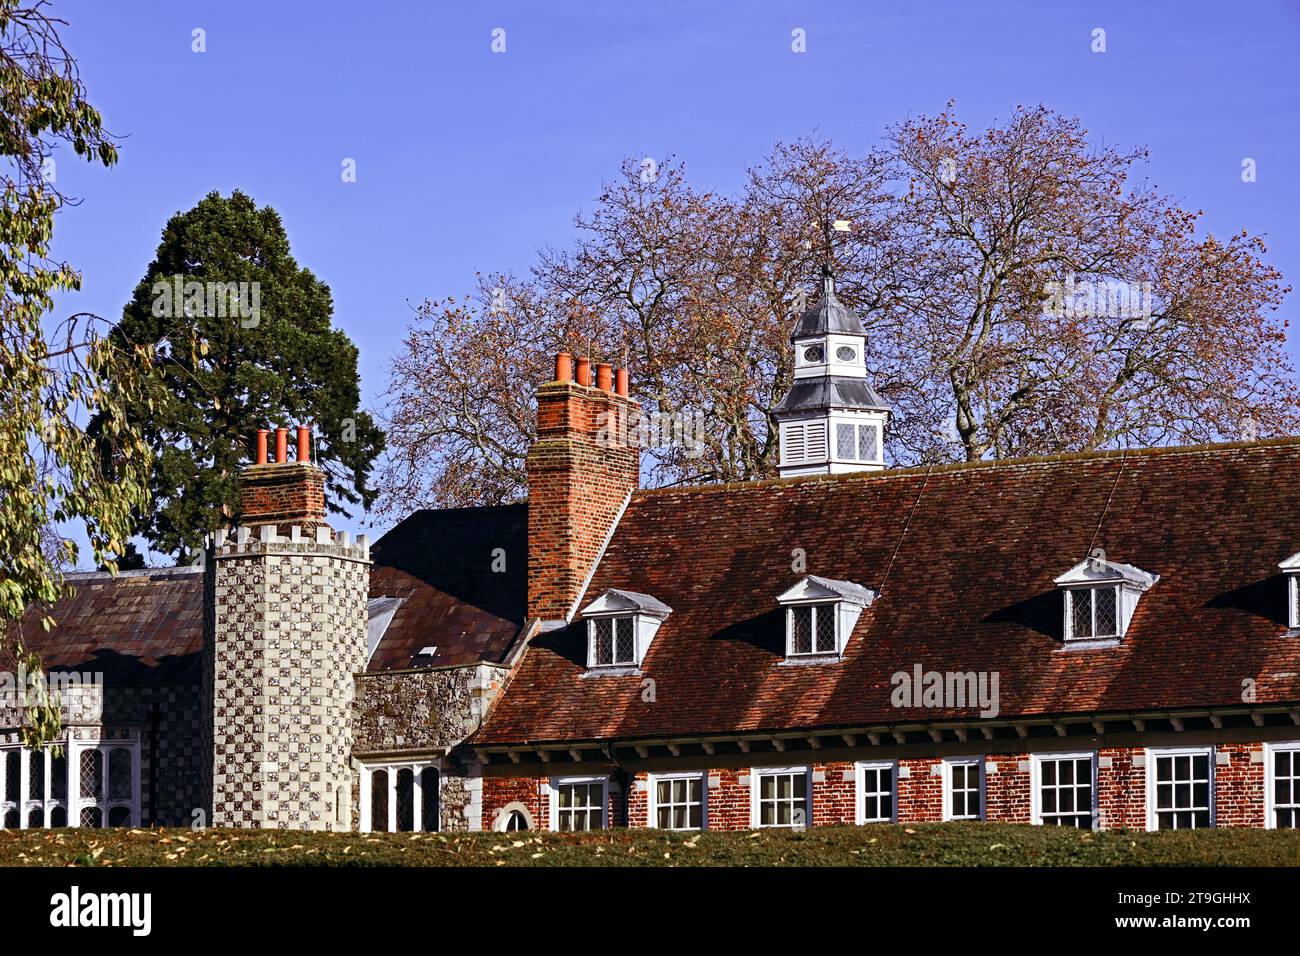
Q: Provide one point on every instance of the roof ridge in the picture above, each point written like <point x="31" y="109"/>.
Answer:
<point x="135" y="573"/>
<point x="912" y="471"/>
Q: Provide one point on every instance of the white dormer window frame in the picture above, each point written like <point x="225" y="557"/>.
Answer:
<point x="1099" y="598"/>
<point x="824" y="610"/>
<point x="1291" y="568"/>
<point x="626" y="623"/>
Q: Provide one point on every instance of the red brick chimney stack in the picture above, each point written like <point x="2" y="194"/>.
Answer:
<point x="581" y="471"/>
<point x="283" y="493"/>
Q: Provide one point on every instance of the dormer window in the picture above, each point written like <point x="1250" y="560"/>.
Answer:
<point x="1291" y="566"/>
<point x="820" y="615"/>
<point x="620" y="627"/>
<point x="613" y="641"/>
<point x="1100" y="597"/>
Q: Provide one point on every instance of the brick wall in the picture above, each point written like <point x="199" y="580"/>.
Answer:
<point x="1121" y="791"/>
<point x="578" y="481"/>
<point x="284" y="493"/>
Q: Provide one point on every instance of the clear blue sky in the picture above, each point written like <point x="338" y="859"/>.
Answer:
<point x="469" y="159"/>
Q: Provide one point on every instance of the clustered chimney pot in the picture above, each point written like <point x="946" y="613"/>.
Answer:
<point x="304" y="443"/>
<point x="564" y="367"/>
<point x="261" y="445"/>
<point x="281" y="445"/>
<point x="584" y="371"/>
<point x="605" y="377"/>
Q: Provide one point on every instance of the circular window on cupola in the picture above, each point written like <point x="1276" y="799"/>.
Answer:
<point x="813" y="354"/>
<point x="846" y="353"/>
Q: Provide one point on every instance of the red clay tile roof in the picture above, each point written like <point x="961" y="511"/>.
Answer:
<point x="146" y="627"/>
<point x="964" y="557"/>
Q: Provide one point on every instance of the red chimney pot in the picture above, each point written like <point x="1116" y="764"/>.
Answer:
<point x="564" y="367"/>
<point x="261" y="445"/>
<point x="304" y="443"/>
<point x="605" y="377"/>
<point x="281" y="445"/>
<point x="621" y="383"/>
<point x="584" y="371"/>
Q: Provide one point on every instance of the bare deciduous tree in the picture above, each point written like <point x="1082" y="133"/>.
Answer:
<point x="1021" y="292"/>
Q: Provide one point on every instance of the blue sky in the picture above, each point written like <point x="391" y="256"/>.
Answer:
<point x="472" y="160"/>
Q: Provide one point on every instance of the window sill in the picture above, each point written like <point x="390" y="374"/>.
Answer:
<point x="804" y="660"/>
<point x="613" y="670"/>
<point x="1089" y="644"/>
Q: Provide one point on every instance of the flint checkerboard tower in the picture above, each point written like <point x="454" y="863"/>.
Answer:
<point x="287" y="633"/>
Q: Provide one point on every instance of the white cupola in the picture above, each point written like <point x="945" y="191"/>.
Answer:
<point x="831" y="421"/>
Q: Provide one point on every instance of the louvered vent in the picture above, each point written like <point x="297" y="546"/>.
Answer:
<point x="816" y="449"/>
<point x="805" y="442"/>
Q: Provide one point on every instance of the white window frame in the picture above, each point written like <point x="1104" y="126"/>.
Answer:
<point x="1152" y="753"/>
<point x="948" y="764"/>
<point x="755" y="800"/>
<point x="105" y="746"/>
<point x="417" y="768"/>
<point x="633" y="622"/>
<point x="25" y="804"/>
<point x="1036" y="784"/>
<point x="652" y="801"/>
<point x="73" y="802"/>
<point x="860" y="791"/>
<point x="1072" y="593"/>
<point x="1271" y="748"/>
<point x="1293" y="600"/>
<point x="553" y="798"/>
<point x="818" y="608"/>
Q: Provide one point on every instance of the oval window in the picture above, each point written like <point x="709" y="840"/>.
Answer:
<point x="846" y="353"/>
<point x="813" y="354"/>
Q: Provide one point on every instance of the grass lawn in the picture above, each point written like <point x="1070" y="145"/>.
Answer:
<point x="949" y="844"/>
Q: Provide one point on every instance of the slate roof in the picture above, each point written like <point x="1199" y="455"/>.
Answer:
<point x="964" y="558"/>
<point x="146" y="627"/>
<point x="140" y="628"/>
<point x="828" y="315"/>
<point x="830" y="391"/>
<point x="441" y="563"/>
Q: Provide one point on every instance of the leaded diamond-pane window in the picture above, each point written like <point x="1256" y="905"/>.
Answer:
<point x="92" y="771"/>
<point x="845" y="443"/>
<point x="119" y="774"/>
<point x="1094" y="612"/>
<point x="801" y="630"/>
<point x="92" y="817"/>
<point x="868" y="443"/>
<point x="812" y="629"/>
<point x="613" y="641"/>
<point x="36" y="776"/>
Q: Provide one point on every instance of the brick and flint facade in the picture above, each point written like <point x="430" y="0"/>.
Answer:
<point x="1122" y="624"/>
